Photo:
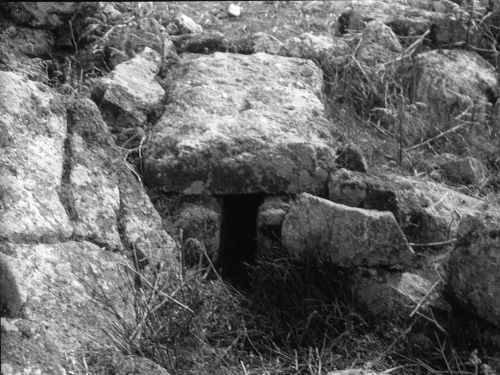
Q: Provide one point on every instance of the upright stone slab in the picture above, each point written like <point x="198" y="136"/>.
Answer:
<point x="239" y="124"/>
<point x="32" y="135"/>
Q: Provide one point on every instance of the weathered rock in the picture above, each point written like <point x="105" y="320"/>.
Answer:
<point x="256" y="42"/>
<point x="426" y="211"/>
<point x="91" y="195"/>
<point x="67" y="20"/>
<point x="378" y="44"/>
<point x="186" y="25"/>
<point x="350" y="157"/>
<point x="315" y="47"/>
<point x="270" y="217"/>
<point x="207" y="42"/>
<point x="234" y="10"/>
<point x="130" y="94"/>
<point x="61" y="314"/>
<point x="106" y="203"/>
<point x="345" y="236"/>
<point x="449" y="24"/>
<point x="22" y="48"/>
<point x="63" y="178"/>
<point x="383" y="194"/>
<point x="32" y="135"/>
<point x="396" y="295"/>
<point x="467" y="170"/>
<point x="28" y="41"/>
<point x="389" y="12"/>
<point x="475" y="267"/>
<point x="241" y="124"/>
<point x="12" y="299"/>
<point x="139" y="223"/>
<point x="267" y="43"/>
<point x="453" y="83"/>
<point x="202" y="223"/>
<point x="210" y="42"/>
<point x="446" y="6"/>
<point x="43" y="14"/>
<point x="109" y="10"/>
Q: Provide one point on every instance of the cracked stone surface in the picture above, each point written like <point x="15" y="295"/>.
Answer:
<point x="66" y="196"/>
<point x="475" y="266"/>
<point x="426" y="211"/>
<point x="241" y="124"/>
<point x="130" y="93"/>
<point x="60" y="315"/>
<point x="63" y="178"/>
<point x="317" y="228"/>
<point x="32" y="133"/>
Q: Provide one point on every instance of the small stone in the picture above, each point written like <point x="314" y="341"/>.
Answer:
<point x="8" y="325"/>
<point x="467" y="170"/>
<point x="351" y="158"/>
<point x="315" y="47"/>
<point x="200" y="223"/>
<point x="7" y="369"/>
<point x="130" y="93"/>
<point x="110" y="11"/>
<point x="378" y="44"/>
<point x="234" y="10"/>
<point x="186" y="25"/>
<point x="395" y="295"/>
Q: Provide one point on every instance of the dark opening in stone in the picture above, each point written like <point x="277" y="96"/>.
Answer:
<point x="238" y="236"/>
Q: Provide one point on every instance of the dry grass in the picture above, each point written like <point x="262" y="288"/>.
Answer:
<point x="375" y="107"/>
<point x="294" y="319"/>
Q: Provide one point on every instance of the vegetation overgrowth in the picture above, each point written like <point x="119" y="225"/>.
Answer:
<point x="293" y="318"/>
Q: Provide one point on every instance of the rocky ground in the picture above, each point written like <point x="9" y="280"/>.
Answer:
<point x="255" y="187"/>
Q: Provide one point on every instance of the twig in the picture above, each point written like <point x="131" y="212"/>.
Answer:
<point x="159" y="291"/>
<point x="443" y="354"/>
<point x="220" y="278"/>
<point x="440" y="200"/>
<point x="73" y="36"/>
<point x="419" y="304"/>
<point x="433" y="320"/>
<point x="370" y="364"/>
<point x="440" y="135"/>
<point x="244" y="369"/>
<point x="410" y="50"/>
<point x="432" y="244"/>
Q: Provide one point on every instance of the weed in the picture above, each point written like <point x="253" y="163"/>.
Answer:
<point x="296" y="318"/>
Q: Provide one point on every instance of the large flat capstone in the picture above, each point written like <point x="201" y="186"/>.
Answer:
<point x="238" y="124"/>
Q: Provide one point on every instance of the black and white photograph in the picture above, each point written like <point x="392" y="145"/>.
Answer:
<point x="250" y="187"/>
